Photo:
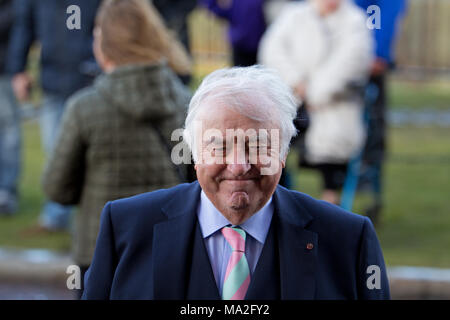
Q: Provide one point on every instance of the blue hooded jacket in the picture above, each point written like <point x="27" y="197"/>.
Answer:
<point x="391" y="11"/>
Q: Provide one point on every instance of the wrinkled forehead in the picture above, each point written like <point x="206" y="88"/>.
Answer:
<point x="242" y="110"/>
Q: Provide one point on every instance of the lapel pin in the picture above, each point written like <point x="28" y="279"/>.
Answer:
<point x="309" y="246"/>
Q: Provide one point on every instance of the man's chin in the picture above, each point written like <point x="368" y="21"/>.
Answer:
<point x="238" y="214"/>
<point x="239" y="207"/>
<point x="240" y="200"/>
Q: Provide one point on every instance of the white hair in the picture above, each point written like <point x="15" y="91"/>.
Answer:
<point x="243" y="89"/>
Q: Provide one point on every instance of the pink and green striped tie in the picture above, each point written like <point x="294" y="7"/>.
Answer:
<point x="237" y="276"/>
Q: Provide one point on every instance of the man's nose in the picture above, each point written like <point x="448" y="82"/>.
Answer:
<point x="237" y="162"/>
<point x="238" y="169"/>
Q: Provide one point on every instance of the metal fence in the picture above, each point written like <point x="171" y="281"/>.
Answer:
<point x="209" y="44"/>
<point x="423" y="47"/>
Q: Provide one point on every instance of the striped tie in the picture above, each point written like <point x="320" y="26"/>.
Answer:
<point x="237" y="276"/>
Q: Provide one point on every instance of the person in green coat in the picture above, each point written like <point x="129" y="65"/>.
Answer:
<point x="115" y="137"/>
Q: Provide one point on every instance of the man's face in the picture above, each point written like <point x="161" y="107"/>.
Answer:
<point x="236" y="187"/>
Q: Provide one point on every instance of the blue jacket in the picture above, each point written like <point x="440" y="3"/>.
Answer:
<point x="66" y="55"/>
<point x="150" y="247"/>
<point x="391" y="12"/>
<point x="246" y="22"/>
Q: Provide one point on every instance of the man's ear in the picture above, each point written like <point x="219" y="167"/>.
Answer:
<point x="283" y="162"/>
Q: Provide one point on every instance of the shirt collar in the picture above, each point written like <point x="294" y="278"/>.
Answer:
<point x="211" y="220"/>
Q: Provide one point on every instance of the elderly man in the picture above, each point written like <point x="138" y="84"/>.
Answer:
<point x="235" y="234"/>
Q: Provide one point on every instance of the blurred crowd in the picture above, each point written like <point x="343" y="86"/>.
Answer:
<point x="115" y="89"/>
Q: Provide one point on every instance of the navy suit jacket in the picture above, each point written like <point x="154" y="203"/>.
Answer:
<point x="149" y="247"/>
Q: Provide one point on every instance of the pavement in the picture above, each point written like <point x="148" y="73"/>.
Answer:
<point x="419" y="283"/>
<point x="34" y="275"/>
<point x="424" y="118"/>
<point x="41" y="275"/>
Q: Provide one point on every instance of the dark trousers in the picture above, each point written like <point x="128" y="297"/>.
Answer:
<point x="243" y="58"/>
<point x="375" y="147"/>
<point x="301" y="124"/>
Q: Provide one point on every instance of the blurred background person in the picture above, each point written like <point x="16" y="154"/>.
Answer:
<point x="176" y="14"/>
<point x="66" y="65"/>
<point x="374" y="151"/>
<point x="115" y="139"/>
<point x="246" y="26"/>
<point x="323" y="50"/>
<point x="273" y="8"/>
<point x="10" y="133"/>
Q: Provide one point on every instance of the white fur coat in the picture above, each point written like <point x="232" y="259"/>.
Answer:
<point x="327" y="55"/>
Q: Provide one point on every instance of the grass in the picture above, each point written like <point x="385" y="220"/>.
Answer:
<point x="415" y="223"/>
<point x="415" y="229"/>
<point x="15" y="230"/>
<point x="416" y="95"/>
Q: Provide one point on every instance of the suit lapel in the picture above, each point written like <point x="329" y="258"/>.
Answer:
<point x="173" y="245"/>
<point x="297" y="247"/>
